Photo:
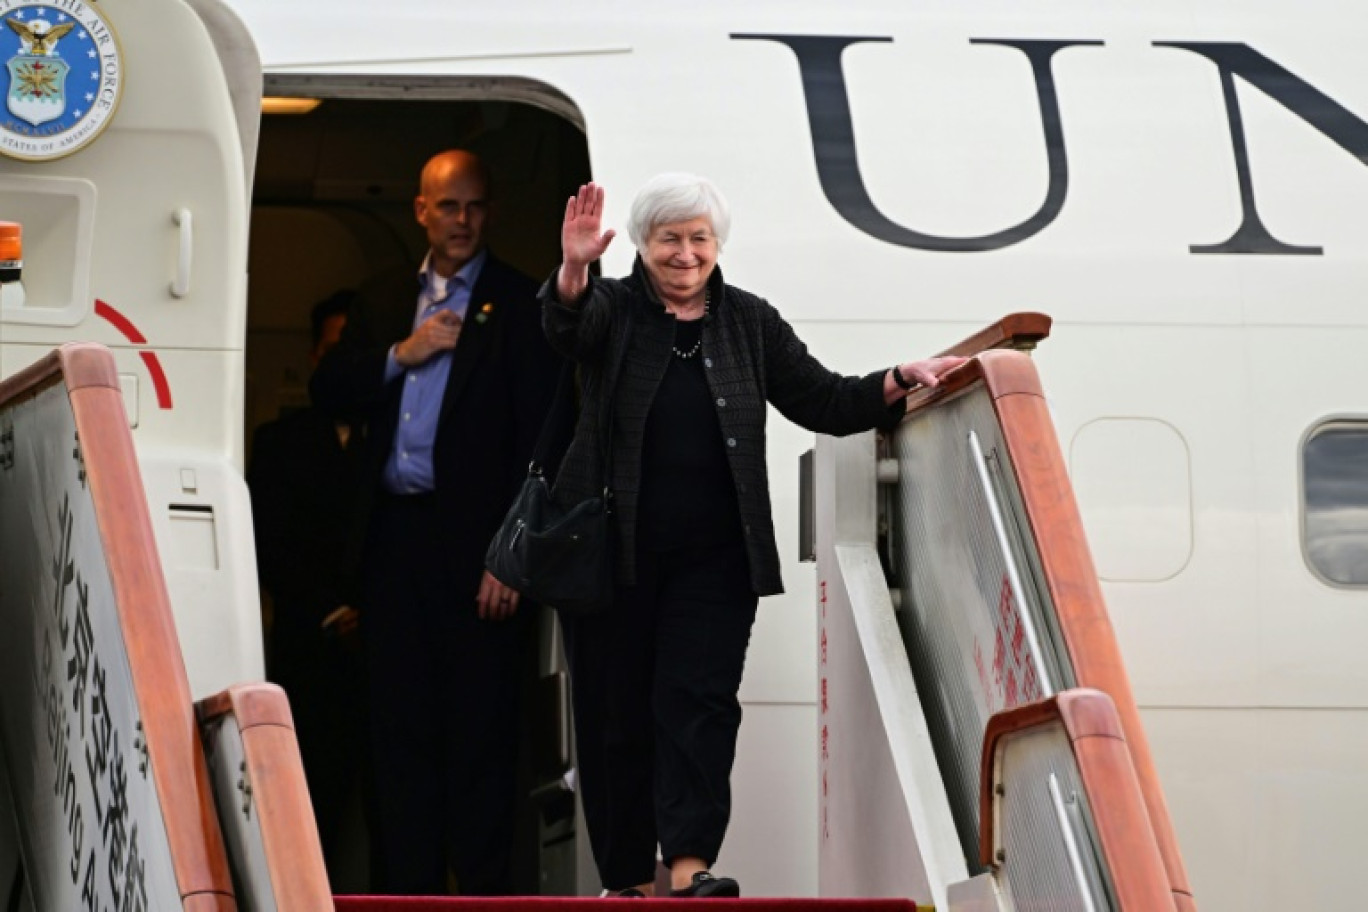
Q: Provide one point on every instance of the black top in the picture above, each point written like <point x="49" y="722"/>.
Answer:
<point x="687" y="494"/>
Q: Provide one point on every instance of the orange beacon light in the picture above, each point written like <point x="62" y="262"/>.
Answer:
<point x="11" y="251"/>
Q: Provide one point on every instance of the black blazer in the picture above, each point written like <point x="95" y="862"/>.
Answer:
<point x="503" y="374"/>
<point x="751" y="357"/>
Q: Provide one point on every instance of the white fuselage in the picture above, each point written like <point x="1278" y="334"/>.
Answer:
<point x="896" y="184"/>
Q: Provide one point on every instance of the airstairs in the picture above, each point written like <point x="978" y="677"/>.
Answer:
<point x="974" y="707"/>
<point x="980" y="747"/>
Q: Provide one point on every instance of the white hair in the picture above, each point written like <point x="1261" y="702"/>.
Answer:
<point x="677" y="197"/>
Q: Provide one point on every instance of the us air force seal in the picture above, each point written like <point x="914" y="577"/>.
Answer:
<point x="62" y="77"/>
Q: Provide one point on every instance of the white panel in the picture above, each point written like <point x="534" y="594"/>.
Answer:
<point x="948" y="139"/>
<point x="212" y="577"/>
<point x="1189" y="640"/>
<point x="771" y="845"/>
<point x="1132" y="477"/>
<point x="193" y="540"/>
<point x="1268" y="804"/>
<point x="58" y="219"/>
<point x="241" y="65"/>
<point x="171" y="143"/>
<point x="779" y="666"/>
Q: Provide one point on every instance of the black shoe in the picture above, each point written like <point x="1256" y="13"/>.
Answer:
<point x="704" y="884"/>
<point x="630" y="893"/>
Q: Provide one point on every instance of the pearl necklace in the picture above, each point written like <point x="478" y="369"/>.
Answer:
<point x="697" y="346"/>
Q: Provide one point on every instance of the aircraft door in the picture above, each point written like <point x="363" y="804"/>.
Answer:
<point x="123" y="158"/>
<point x="126" y="135"/>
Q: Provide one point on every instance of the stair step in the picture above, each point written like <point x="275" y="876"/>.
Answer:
<point x="584" y="904"/>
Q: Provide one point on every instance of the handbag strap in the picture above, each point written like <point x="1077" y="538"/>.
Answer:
<point x="559" y="403"/>
<point x="606" y="434"/>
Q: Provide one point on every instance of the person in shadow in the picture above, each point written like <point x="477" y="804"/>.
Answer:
<point x="303" y="476"/>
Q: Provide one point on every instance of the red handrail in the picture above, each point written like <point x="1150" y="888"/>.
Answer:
<point x="1123" y="824"/>
<point x="1057" y="527"/>
<point x="177" y="765"/>
<point x="280" y="795"/>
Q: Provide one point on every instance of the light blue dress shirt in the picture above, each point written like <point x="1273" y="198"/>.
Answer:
<point x="409" y="469"/>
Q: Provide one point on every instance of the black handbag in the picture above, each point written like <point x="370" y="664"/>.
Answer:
<point x="559" y="557"/>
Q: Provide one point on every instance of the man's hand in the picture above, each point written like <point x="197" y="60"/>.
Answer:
<point x="438" y="333"/>
<point x="342" y="621"/>
<point x="496" y="601"/>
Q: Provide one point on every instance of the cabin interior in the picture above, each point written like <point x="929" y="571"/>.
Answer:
<point x="333" y="205"/>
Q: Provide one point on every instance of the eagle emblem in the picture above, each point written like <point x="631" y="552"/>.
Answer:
<point x="40" y="38"/>
<point x="61" y="74"/>
<point x="38" y="75"/>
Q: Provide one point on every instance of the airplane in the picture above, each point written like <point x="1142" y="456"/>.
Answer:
<point x="1176" y="185"/>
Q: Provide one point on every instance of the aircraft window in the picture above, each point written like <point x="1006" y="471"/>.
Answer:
<point x="1335" y="485"/>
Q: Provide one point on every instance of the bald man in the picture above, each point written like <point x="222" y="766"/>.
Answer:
<point x="454" y="375"/>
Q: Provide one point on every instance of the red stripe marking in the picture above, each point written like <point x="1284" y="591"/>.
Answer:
<point x="125" y="326"/>
<point x="158" y="379"/>
<point x="121" y="323"/>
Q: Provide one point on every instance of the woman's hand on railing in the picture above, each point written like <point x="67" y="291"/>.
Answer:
<point x="904" y="379"/>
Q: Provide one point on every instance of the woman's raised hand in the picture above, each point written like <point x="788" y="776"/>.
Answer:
<point x="581" y="242"/>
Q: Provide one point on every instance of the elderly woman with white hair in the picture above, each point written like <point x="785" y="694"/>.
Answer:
<point x="677" y="368"/>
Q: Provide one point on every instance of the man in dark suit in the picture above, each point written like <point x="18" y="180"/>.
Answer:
<point x="303" y="478"/>
<point x="454" y="376"/>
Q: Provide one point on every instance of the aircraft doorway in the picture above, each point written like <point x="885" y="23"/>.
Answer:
<point x="332" y="206"/>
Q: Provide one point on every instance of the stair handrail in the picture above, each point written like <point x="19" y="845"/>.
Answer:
<point x="1116" y="802"/>
<point x="1089" y="639"/>
<point x="263" y="798"/>
<point x="163" y="744"/>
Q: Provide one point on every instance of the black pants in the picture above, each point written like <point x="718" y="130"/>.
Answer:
<point x="443" y="706"/>
<point x="323" y="674"/>
<point x="655" y="684"/>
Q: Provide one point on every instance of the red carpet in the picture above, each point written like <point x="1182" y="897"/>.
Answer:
<point x="585" y="904"/>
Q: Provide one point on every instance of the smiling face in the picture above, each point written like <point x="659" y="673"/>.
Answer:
<point x="679" y="257"/>
<point x="453" y="207"/>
